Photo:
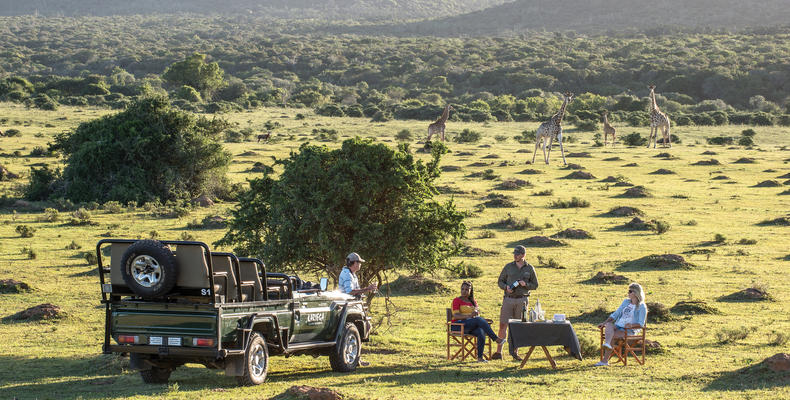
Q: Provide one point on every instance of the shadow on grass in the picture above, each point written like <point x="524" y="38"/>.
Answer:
<point x="753" y="377"/>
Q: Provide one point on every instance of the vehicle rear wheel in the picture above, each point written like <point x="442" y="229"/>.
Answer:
<point x="156" y="375"/>
<point x="149" y="268"/>
<point x="345" y="355"/>
<point x="256" y="361"/>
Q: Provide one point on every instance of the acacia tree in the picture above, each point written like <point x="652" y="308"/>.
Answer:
<point x="196" y="73"/>
<point x="362" y="197"/>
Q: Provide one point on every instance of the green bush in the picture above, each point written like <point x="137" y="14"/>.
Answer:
<point x="182" y="155"/>
<point x="527" y="136"/>
<point x="404" y="135"/>
<point x="661" y="227"/>
<point x="745" y="141"/>
<point x="12" y="133"/>
<point x="587" y="125"/>
<point x="51" y="215"/>
<point x="574" y="202"/>
<point x="25" y="231"/>
<point x="467" y="136"/>
<point x="720" y="140"/>
<point x="189" y="94"/>
<point x="634" y="139"/>
<point x="748" y="132"/>
<point x="43" y="183"/>
<point x="463" y="270"/>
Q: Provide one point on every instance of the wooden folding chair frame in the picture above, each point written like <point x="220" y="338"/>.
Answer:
<point x="628" y="345"/>
<point x="466" y="343"/>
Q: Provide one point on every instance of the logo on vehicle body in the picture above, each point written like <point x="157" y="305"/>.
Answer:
<point x="316" y="318"/>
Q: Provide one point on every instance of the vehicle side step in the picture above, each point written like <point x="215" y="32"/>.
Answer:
<point x="308" y="345"/>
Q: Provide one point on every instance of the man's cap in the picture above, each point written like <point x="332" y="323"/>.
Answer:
<point x="354" y="257"/>
<point x="520" y="250"/>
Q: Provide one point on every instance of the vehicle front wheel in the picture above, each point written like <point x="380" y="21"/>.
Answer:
<point x="256" y="361"/>
<point x="345" y="355"/>
<point x="156" y="375"/>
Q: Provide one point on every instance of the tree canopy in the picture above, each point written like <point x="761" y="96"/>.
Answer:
<point x="196" y="73"/>
<point x="150" y="151"/>
<point x="363" y="197"/>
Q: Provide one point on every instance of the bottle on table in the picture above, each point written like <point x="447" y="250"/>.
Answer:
<point x="524" y="312"/>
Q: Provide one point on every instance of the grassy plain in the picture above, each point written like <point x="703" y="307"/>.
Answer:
<point x="61" y="358"/>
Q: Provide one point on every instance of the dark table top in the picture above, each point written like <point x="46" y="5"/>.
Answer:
<point x="524" y="334"/>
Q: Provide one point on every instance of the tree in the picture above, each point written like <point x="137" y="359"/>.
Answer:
<point x="362" y="197"/>
<point x="150" y="151"/>
<point x="195" y="72"/>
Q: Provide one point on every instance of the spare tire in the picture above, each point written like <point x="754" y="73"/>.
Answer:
<point x="149" y="268"/>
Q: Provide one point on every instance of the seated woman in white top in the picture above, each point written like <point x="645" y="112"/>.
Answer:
<point x="632" y="313"/>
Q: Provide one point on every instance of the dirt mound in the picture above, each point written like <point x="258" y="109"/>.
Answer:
<point x="573" y="166"/>
<point x="657" y="312"/>
<point x="633" y="164"/>
<point x="479" y="164"/>
<point x="748" y="294"/>
<point x="610" y="178"/>
<point x="261" y="167"/>
<point x="308" y="393"/>
<point x="768" y="183"/>
<point x="541" y="241"/>
<point x="513" y="183"/>
<point x="785" y="176"/>
<point x="464" y="154"/>
<point x="579" y="155"/>
<point x="659" y="261"/>
<point x="613" y="159"/>
<point x="248" y="153"/>
<point x="447" y="189"/>
<point x="579" y="175"/>
<point x="621" y="184"/>
<point x="708" y="153"/>
<point x="13" y="286"/>
<point x="490" y="156"/>
<point x="572" y="234"/>
<point x="663" y="155"/>
<point x="694" y="307"/>
<point x="415" y="284"/>
<point x="636" y="192"/>
<point x="712" y="161"/>
<point x="39" y="312"/>
<point x="653" y="347"/>
<point x="745" y="160"/>
<point x="638" y="224"/>
<point x="450" y="168"/>
<point x="530" y="171"/>
<point x="662" y="171"/>
<point x="203" y="201"/>
<point x="778" y="362"/>
<point x="608" y="277"/>
<point x="495" y="200"/>
<point x="624" y="211"/>
<point x="6" y="175"/>
<point x="594" y="316"/>
<point x="720" y="177"/>
<point x="781" y="221"/>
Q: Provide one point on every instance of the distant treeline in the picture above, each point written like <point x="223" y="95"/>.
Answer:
<point x="702" y="79"/>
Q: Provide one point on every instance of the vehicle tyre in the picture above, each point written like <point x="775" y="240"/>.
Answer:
<point x="149" y="268"/>
<point x="345" y="355"/>
<point x="156" y="375"/>
<point x="256" y="361"/>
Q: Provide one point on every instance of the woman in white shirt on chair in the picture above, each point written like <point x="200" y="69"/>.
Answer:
<point x="632" y="313"/>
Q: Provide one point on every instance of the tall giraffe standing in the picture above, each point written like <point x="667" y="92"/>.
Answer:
<point x="607" y="128"/>
<point x="658" y="120"/>
<point x="551" y="129"/>
<point x="438" y="126"/>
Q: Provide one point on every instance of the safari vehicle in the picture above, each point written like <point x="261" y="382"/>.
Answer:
<point x="168" y="303"/>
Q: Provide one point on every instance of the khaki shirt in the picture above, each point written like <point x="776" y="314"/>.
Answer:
<point x="512" y="273"/>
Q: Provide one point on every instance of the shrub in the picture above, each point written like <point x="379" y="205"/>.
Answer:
<point x="719" y="238"/>
<point x="748" y="132"/>
<point x="587" y="125"/>
<point x="727" y="335"/>
<point x="746" y="141"/>
<point x="73" y="246"/>
<point x="404" y="135"/>
<point x="51" y="215"/>
<point x="43" y="183"/>
<point x="81" y="217"/>
<point x="112" y="207"/>
<point x="634" y="139"/>
<point x="463" y="270"/>
<point x="12" y="132"/>
<point x="574" y="202"/>
<point x="25" y="231"/>
<point x="29" y="252"/>
<point x="500" y="138"/>
<point x="90" y="257"/>
<point x="381" y="116"/>
<point x="486" y="235"/>
<point x="661" y="226"/>
<point x="299" y="117"/>
<point x="183" y="155"/>
<point x="780" y="339"/>
<point x="467" y="136"/>
<point x="526" y="136"/>
<point x="720" y="140"/>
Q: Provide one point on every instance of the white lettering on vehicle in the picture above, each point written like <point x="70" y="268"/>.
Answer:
<point x="205" y="292"/>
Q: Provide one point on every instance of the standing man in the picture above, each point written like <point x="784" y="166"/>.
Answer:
<point x="516" y="279"/>
<point x="348" y="281"/>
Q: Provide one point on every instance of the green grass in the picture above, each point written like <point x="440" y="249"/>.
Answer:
<point x="61" y="358"/>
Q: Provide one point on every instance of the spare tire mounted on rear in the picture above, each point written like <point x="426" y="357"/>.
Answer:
<point x="149" y="268"/>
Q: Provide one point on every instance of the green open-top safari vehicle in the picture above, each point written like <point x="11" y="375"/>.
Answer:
<point x="168" y="303"/>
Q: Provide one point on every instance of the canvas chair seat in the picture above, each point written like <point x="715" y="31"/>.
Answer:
<point x="463" y="344"/>
<point x="634" y="345"/>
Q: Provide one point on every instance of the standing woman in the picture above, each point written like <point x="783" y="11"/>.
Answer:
<point x="632" y="313"/>
<point x="465" y="311"/>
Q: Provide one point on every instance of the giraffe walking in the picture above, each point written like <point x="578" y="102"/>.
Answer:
<point x="550" y="130"/>
<point x="438" y="126"/>
<point x="607" y="129"/>
<point x="658" y="120"/>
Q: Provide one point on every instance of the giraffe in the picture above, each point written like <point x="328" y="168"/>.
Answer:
<point x="607" y="129"/>
<point x="658" y="120"/>
<point x="438" y="126"/>
<point x="551" y="129"/>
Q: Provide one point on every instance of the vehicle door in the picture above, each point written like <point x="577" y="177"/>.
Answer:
<point x="311" y="315"/>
